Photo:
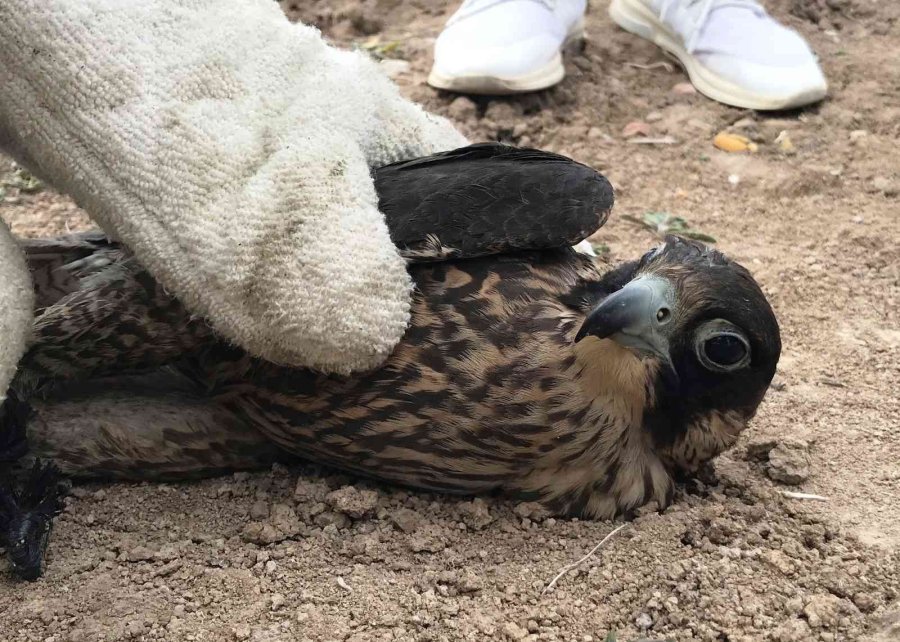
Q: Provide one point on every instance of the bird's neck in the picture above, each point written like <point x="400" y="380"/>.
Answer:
<point x="615" y="378"/>
<point x="609" y="465"/>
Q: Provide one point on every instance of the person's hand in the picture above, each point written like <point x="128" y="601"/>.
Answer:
<point x="16" y="298"/>
<point x="230" y="150"/>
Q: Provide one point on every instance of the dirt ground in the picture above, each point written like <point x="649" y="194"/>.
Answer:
<point x="269" y="556"/>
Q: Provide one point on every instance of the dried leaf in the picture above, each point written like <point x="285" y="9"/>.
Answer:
<point x="784" y="142"/>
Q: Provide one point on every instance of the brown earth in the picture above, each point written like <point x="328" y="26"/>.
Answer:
<point x="268" y="557"/>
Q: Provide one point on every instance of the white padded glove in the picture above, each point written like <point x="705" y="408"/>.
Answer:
<point x="230" y="150"/>
<point x="16" y="297"/>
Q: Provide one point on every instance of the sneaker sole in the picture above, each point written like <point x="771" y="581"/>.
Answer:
<point x="547" y="76"/>
<point x="635" y="17"/>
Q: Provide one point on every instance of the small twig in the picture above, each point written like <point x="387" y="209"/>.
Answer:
<point x="662" y="64"/>
<point x="343" y="584"/>
<point x="794" y="495"/>
<point x="645" y="140"/>
<point x="577" y="563"/>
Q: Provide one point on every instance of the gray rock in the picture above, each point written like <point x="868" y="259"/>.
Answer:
<point x="789" y="462"/>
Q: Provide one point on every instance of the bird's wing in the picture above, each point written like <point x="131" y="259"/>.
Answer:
<point x="490" y="198"/>
<point x="60" y="265"/>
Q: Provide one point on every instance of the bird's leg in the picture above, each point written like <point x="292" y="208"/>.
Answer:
<point x="101" y="313"/>
<point x="27" y="511"/>
<point x="144" y="427"/>
<point x="117" y="430"/>
<point x="14" y="415"/>
<point x="26" y="518"/>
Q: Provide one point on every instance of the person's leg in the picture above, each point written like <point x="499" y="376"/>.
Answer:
<point x="501" y="47"/>
<point x="733" y="51"/>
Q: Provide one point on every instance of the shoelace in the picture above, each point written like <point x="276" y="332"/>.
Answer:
<point x="471" y="6"/>
<point x="699" y="11"/>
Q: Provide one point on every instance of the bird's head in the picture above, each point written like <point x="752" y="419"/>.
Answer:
<point x="706" y="336"/>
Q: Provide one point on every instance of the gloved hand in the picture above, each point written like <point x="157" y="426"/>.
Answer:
<point x="231" y="151"/>
<point x="16" y="296"/>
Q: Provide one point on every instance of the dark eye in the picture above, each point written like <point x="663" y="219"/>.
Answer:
<point x="725" y="349"/>
<point x="722" y="346"/>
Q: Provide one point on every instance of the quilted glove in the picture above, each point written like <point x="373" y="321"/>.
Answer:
<point x="15" y="308"/>
<point x="230" y="149"/>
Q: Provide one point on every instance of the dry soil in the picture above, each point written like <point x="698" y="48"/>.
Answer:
<point x="308" y="555"/>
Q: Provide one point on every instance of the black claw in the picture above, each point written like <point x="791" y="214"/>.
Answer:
<point x="14" y="416"/>
<point x="26" y="518"/>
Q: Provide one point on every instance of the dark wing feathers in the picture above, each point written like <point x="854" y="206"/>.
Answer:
<point x="488" y="199"/>
<point x="59" y="265"/>
<point x="474" y="201"/>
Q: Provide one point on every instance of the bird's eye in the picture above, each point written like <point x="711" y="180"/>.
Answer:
<point x="725" y="350"/>
<point x="721" y="346"/>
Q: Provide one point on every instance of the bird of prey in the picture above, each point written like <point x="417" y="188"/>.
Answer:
<point x="527" y="368"/>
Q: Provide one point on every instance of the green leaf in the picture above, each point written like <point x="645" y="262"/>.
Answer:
<point x="655" y="219"/>
<point x="24" y="181"/>
<point x="378" y="49"/>
<point x="611" y="636"/>
<point x="662" y="223"/>
<point x="698" y="236"/>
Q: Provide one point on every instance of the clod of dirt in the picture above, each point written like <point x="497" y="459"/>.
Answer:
<point x="406" y="519"/>
<point x="475" y="514"/>
<point x="789" y="462"/>
<point x="364" y="22"/>
<point x="794" y="630"/>
<point x="504" y="113"/>
<point x="462" y="582"/>
<point x="462" y="110"/>
<point x="429" y="539"/>
<point x="759" y="450"/>
<point x="821" y="12"/>
<point x="534" y="511"/>
<point x="285" y="519"/>
<point x="352" y="502"/>
<point x="885" y="185"/>
<point x="825" y="610"/>
<point x="283" y="524"/>
<point x="138" y="554"/>
<point x="328" y="518"/>
<point x="310" y="491"/>
<point x="259" y="510"/>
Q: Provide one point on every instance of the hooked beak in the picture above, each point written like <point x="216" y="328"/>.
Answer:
<point x="640" y="316"/>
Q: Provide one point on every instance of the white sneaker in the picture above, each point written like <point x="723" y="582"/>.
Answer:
<point x="733" y="51"/>
<point x="501" y="47"/>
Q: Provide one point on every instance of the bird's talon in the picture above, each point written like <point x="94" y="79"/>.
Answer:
<point x="26" y="518"/>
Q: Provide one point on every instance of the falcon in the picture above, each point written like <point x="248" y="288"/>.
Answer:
<point x="528" y="369"/>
